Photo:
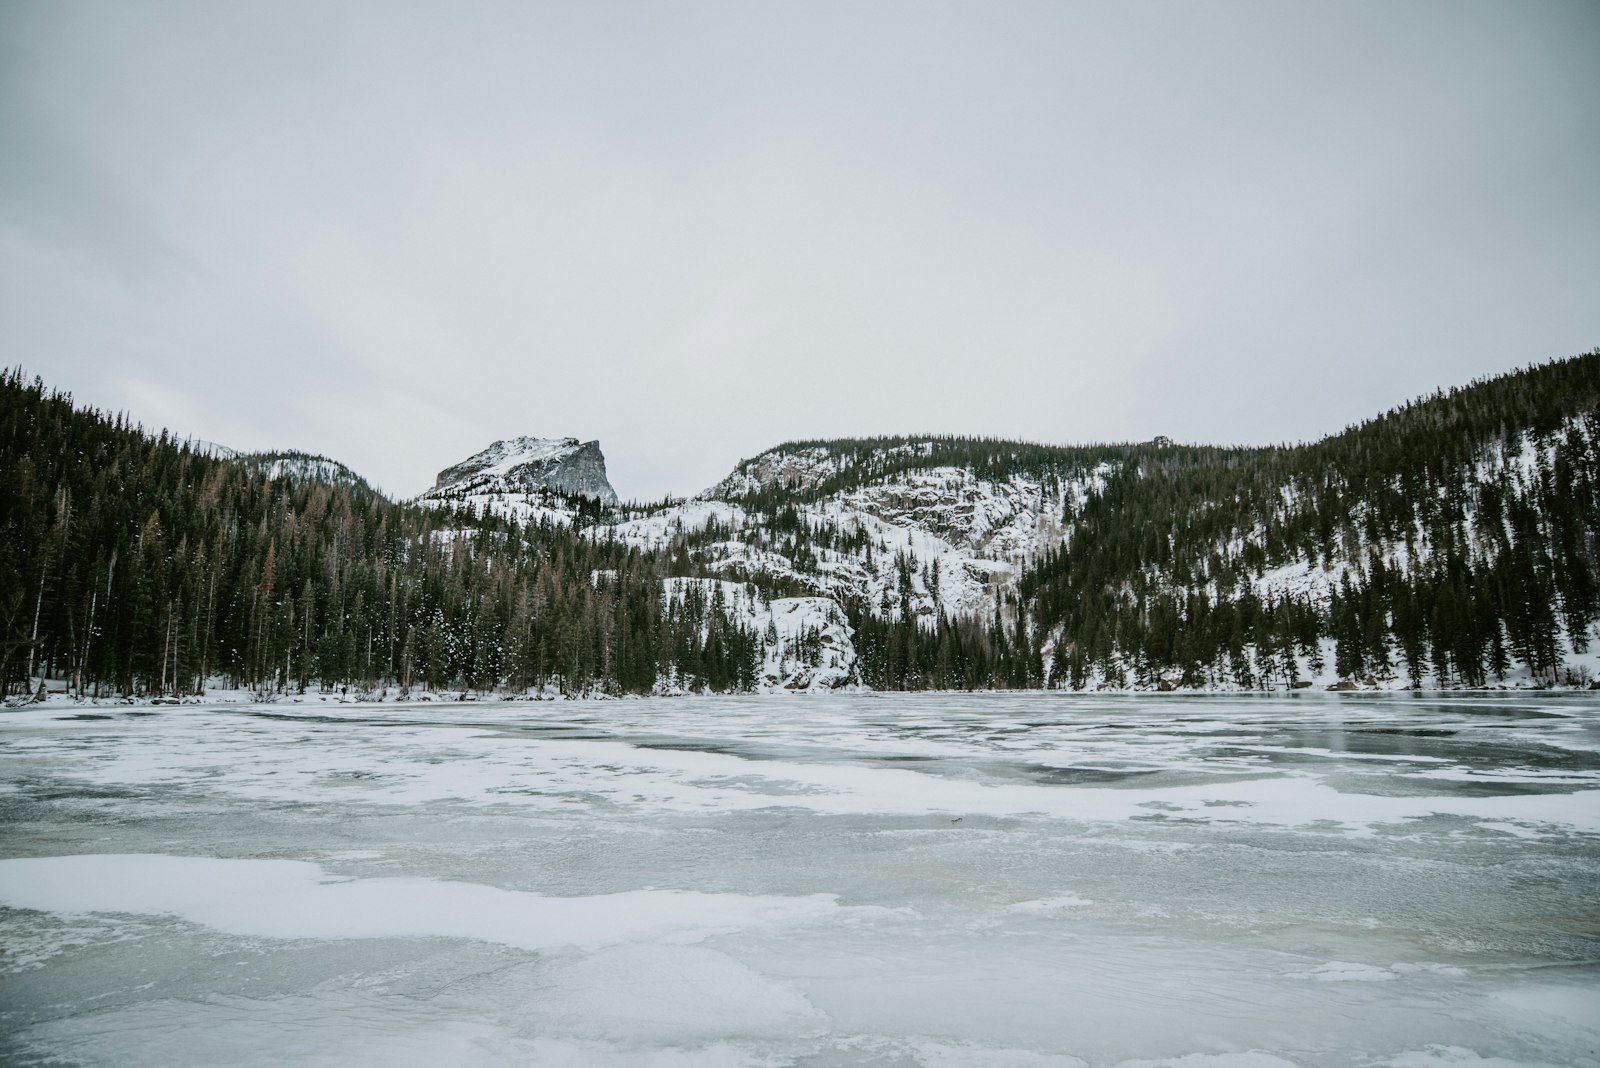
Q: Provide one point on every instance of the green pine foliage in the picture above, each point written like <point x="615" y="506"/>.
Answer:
<point x="1463" y="527"/>
<point x="1451" y="540"/>
<point x="860" y="461"/>
<point x="130" y="564"/>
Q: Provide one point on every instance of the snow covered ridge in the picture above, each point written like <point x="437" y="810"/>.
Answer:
<point x="924" y="540"/>
<point x="288" y="463"/>
<point x="202" y="447"/>
<point x="934" y="541"/>
<point x="303" y="467"/>
<point x="1514" y="464"/>
<point x="794" y="468"/>
<point x="906" y="528"/>
<point x="525" y="466"/>
<point x="821" y="467"/>
<point x="1401" y="562"/>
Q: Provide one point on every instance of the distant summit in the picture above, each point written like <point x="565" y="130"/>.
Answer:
<point x="302" y="467"/>
<point x="292" y="464"/>
<point x="522" y="466"/>
<point x="202" y="447"/>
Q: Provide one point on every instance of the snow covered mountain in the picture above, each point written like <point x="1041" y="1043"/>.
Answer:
<point x="808" y="536"/>
<point x="525" y="478"/>
<point x="916" y="527"/>
<point x="303" y="467"/>
<point x="1448" y="540"/>
<point x="291" y="464"/>
<point x="1453" y="541"/>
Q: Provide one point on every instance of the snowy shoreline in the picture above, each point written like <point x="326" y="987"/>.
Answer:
<point x="394" y="696"/>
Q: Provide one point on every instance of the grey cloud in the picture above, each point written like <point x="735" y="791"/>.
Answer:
<point x="394" y="232"/>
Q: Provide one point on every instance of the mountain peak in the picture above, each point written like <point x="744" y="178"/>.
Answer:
<point x="527" y="464"/>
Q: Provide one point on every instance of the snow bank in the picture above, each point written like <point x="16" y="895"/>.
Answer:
<point x="296" y="899"/>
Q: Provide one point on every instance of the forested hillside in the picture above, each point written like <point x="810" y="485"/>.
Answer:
<point x="130" y="564"/>
<point x="1446" y="541"/>
<point x="808" y="471"/>
<point x="1449" y="542"/>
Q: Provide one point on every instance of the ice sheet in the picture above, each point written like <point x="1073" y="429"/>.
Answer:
<point x="1028" y="880"/>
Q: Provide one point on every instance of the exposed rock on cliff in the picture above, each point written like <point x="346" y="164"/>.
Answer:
<point x="523" y="466"/>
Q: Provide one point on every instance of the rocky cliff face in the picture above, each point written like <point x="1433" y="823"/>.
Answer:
<point x="523" y="466"/>
<point x="895" y="526"/>
<point x="902" y="527"/>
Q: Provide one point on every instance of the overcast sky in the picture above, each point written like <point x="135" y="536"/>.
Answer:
<point x="394" y="232"/>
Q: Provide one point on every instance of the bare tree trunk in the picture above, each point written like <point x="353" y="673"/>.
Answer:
<point x="111" y="570"/>
<point x="72" y="646"/>
<point x="166" y="651"/>
<point x="88" y="637"/>
<point x="205" y="647"/>
<point x="33" y="639"/>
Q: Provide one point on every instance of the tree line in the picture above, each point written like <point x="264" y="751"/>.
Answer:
<point x="1457" y="537"/>
<point x="1446" y="541"/>
<point x="133" y="564"/>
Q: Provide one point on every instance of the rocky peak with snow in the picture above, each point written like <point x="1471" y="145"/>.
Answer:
<point x="918" y="526"/>
<point x="796" y="468"/>
<point x="528" y="465"/>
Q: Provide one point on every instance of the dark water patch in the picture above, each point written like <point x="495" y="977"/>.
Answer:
<point x="797" y="754"/>
<point x="1522" y="712"/>
<point x="339" y="721"/>
<point x="1494" y="756"/>
<point x="564" y="732"/>
<point x="1364" y="741"/>
<point x="54" y="790"/>
<point x="1077" y="776"/>
<point x="573" y="736"/>
<point x="1410" y="732"/>
<point x="1262" y="752"/>
<point x="1381" y="785"/>
<point x="718" y="748"/>
<point x="1498" y="712"/>
<point x="1463" y="747"/>
<point x="555" y="732"/>
<point x="1493" y="788"/>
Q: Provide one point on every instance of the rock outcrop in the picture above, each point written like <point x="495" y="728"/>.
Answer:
<point x="522" y="466"/>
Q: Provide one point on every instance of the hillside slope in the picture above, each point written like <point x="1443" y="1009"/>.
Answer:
<point x="1453" y="541"/>
<point x="1447" y="541"/>
<point x="896" y="527"/>
<point x="135" y="565"/>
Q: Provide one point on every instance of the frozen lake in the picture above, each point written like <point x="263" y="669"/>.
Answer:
<point x="989" y="880"/>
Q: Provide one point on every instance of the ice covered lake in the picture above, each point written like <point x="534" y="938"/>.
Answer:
<point x="988" y="880"/>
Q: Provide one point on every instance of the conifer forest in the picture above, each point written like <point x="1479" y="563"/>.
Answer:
<point x="1456" y="537"/>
